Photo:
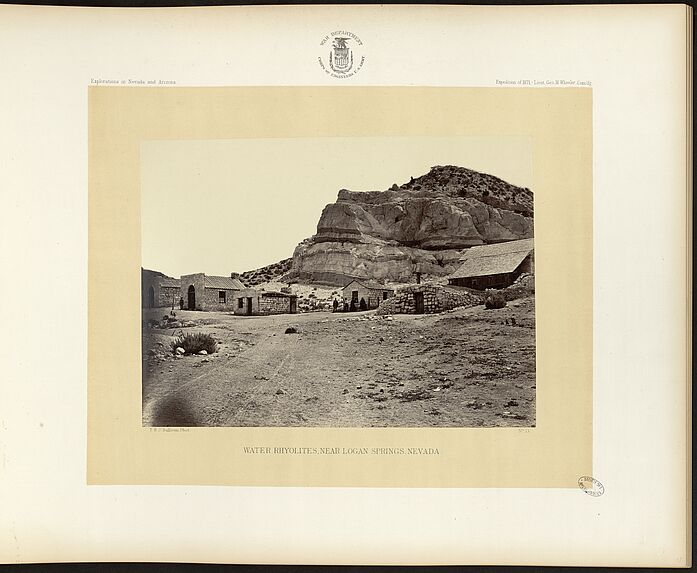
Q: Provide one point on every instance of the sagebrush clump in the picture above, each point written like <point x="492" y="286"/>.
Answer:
<point x="494" y="299"/>
<point x="194" y="343"/>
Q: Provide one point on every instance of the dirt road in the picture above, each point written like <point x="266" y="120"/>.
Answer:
<point x="469" y="367"/>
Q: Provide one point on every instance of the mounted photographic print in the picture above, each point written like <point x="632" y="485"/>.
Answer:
<point x="340" y="286"/>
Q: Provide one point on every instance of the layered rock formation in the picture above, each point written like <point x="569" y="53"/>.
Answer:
<point x="422" y="226"/>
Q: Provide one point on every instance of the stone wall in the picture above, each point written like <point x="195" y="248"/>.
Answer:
<point x="437" y="298"/>
<point x="153" y="294"/>
<point x="211" y="299"/>
<point x="274" y="304"/>
<point x="195" y="280"/>
<point x="167" y="295"/>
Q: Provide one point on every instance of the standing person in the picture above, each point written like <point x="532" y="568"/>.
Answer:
<point x="181" y="303"/>
<point x="335" y="304"/>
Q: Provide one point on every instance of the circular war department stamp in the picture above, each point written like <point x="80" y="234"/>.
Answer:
<point x="342" y="54"/>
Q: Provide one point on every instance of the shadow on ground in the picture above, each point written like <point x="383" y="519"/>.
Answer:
<point x="173" y="411"/>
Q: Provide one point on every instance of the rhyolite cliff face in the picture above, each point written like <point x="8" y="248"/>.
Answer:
<point x="422" y="226"/>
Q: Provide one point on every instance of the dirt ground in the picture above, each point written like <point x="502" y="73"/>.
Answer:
<point x="464" y="368"/>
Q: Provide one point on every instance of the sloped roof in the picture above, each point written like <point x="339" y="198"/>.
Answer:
<point x="495" y="259"/>
<point x="225" y="283"/>
<point x="483" y="266"/>
<point x="499" y="248"/>
<point x="169" y="282"/>
<point x="372" y="285"/>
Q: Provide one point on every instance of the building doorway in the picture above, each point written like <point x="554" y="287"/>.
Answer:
<point x="419" y="302"/>
<point x="192" y="298"/>
<point x="293" y="305"/>
<point x="151" y="297"/>
<point x="249" y="305"/>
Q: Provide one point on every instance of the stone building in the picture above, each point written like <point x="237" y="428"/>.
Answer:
<point x="205" y="292"/>
<point x="494" y="266"/>
<point x="158" y="290"/>
<point x="371" y="292"/>
<point x="428" y="298"/>
<point x="259" y="302"/>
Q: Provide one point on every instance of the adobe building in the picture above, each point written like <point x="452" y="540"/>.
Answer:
<point x="494" y="266"/>
<point x="371" y="292"/>
<point x="158" y="290"/>
<point x="205" y="292"/>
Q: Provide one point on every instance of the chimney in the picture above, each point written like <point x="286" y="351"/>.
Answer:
<point x="234" y="275"/>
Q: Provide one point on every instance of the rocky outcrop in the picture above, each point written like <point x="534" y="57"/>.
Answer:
<point x="422" y="226"/>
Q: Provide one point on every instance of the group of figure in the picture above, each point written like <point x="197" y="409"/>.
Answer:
<point x="349" y="307"/>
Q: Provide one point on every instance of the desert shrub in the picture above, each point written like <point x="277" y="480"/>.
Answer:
<point x="193" y="343"/>
<point x="494" y="299"/>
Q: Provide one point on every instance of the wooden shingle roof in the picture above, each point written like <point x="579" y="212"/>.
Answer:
<point x="499" y="248"/>
<point x="494" y="259"/>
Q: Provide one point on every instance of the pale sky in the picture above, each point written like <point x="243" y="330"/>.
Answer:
<point x="222" y="206"/>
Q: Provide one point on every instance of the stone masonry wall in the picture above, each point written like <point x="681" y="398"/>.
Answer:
<point x="437" y="298"/>
<point x="167" y="295"/>
<point x="195" y="280"/>
<point x="211" y="299"/>
<point x="274" y="305"/>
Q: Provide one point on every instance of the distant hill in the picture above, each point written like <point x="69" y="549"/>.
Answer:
<point x="267" y="273"/>
<point x="149" y="274"/>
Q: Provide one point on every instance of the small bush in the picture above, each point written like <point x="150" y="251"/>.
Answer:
<point x="494" y="299"/>
<point x="193" y="343"/>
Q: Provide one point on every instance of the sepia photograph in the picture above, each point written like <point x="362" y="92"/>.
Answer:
<point x="338" y="282"/>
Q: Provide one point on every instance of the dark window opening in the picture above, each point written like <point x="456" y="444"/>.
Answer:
<point x="240" y="303"/>
<point x="384" y="295"/>
<point x="221" y="296"/>
<point x="354" y="296"/>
